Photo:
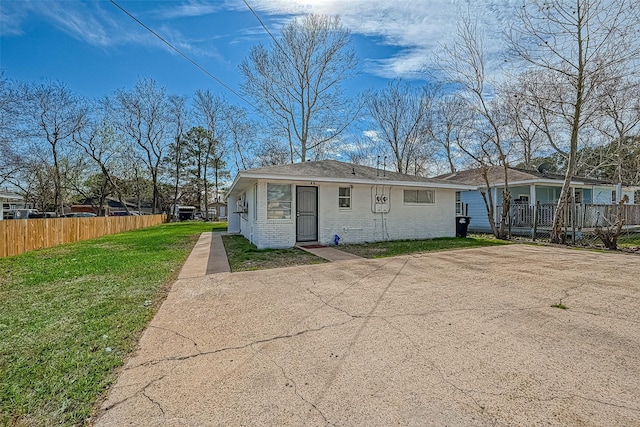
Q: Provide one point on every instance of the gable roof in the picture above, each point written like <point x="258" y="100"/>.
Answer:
<point x="338" y="172"/>
<point x="516" y="176"/>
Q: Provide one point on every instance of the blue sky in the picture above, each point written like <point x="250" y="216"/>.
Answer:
<point x="95" y="48"/>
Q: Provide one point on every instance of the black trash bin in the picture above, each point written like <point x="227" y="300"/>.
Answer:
<point x="462" y="224"/>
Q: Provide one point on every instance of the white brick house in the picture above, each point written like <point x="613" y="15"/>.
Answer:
<point x="281" y="206"/>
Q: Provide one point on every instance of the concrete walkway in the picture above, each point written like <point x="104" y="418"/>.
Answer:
<point x="329" y="253"/>
<point x="207" y="257"/>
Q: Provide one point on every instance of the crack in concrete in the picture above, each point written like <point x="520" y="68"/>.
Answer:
<point x="295" y="386"/>
<point x="602" y="402"/>
<point x="142" y="391"/>
<point x="552" y="398"/>
<point x="479" y="408"/>
<point x="568" y="290"/>
<point x="240" y="347"/>
<point x="621" y="319"/>
<point x="195" y="344"/>
<point x="329" y="305"/>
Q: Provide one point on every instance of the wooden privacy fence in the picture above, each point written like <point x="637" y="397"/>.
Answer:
<point x="23" y="235"/>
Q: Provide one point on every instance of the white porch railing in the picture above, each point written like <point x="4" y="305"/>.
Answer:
<point x="578" y="215"/>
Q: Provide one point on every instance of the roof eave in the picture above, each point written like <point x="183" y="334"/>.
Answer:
<point x="247" y="176"/>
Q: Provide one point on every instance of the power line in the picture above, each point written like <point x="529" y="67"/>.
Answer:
<point x="179" y="52"/>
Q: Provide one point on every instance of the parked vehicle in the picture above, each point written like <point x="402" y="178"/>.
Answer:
<point x="124" y="213"/>
<point x="79" y="215"/>
<point x="23" y="214"/>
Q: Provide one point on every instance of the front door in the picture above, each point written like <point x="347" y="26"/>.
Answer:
<point x="306" y="214"/>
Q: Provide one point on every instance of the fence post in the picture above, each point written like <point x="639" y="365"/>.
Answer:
<point x="535" y="220"/>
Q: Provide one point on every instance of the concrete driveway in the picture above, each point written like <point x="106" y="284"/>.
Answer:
<point x="458" y="338"/>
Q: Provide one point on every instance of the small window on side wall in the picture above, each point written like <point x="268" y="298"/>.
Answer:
<point x="344" y="198"/>
<point x="427" y="197"/>
<point x="458" y="203"/>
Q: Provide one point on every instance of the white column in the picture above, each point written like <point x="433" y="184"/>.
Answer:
<point x="532" y="195"/>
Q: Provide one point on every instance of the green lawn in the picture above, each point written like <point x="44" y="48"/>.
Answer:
<point x="71" y="314"/>
<point x="403" y="247"/>
<point x="244" y="256"/>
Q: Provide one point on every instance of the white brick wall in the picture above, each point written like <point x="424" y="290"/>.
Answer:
<point x="356" y="225"/>
<point x="360" y="224"/>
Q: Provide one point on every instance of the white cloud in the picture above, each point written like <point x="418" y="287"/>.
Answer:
<point x="188" y="9"/>
<point x="107" y="26"/>
<point x="372" y="135"/>
<point x="417" y="28"/>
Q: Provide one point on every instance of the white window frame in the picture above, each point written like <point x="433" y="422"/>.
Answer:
<point x="279" y="209"/>
<point x="347" y="198"/>
<point x="459" y="203"/>
<point x="255" y="202"/>
<point x="425" y="200"/>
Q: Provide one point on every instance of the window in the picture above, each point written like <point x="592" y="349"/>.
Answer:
<point x="344" y="198"/>
<point x="278" y="201"/>
<point x="255" y="202"/>
<point x="614" y="199"/>
<point x="458" y="203"/>
<point x="419" y="196"/>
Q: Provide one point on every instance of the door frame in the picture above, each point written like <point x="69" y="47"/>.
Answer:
<point x="298" y="213"/>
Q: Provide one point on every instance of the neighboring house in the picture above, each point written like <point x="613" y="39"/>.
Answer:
<point x="323" y="201"/>
<point x="217" y="211"/>
<point x="112" y="206"/>
<point x="11" y="201"/>
<point x="537" y="192"/>
<point x="182" y="212"/>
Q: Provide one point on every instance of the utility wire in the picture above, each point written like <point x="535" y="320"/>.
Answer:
<point x="179" y="52"/>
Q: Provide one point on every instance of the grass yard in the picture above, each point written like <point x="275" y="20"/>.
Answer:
<point x="70" y="315"/>
<point x="403" y="247"/>
<point x="244" y="256"/>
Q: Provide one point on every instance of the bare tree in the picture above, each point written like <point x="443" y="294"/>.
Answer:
<point x="522" y="125"/>
<point x="243" y="134"/>
<point x="271" y="153"/>
<point x="99" y="142"/>
<point x="53" y="116"/>
<point x="464" y="64"/>
<point x="402" y="116"/>
<point x="621" y="121"/>
<point x="212" y="111"/>
<point x="11" y="103"/>
<point x="449" y="126"/>
<point x="297" y="82"/>
<point x="577" y="46"/>
<point x="141" y="115"/>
